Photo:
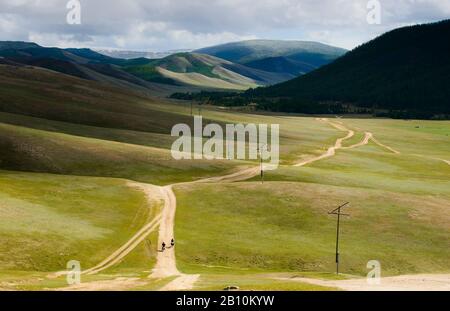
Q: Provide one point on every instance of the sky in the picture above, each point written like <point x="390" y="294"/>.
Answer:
<point x="161" y="25"/>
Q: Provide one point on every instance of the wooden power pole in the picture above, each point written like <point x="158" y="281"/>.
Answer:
<point x="337" y="212"/>
<point x="261" y="162"/>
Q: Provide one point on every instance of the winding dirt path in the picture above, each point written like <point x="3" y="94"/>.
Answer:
<point x="432" y="158"/>
<point x="338" y="145"/>
<point x="419" y="282"/>
<point x="166" y="261"/>
<point x="123" y="251"/>
<point x="118" y="284"/>
<point x="153" y="195"/>
<point x="384" y="146"/>
<point x="367" y="136"/>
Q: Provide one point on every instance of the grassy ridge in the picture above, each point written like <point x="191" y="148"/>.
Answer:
<point x="27" y="149"/>
<point x="149" y="139"/>
<point x="49" y="95"/>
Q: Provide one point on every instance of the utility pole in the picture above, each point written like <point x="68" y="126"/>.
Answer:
<point x="261" y="162"/>
<point x="191" y="107"/>
<point x="262" y="171"/>
<point x="337" y="212"/>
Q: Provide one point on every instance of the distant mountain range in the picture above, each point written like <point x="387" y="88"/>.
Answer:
<point x="405" y="71"/>
<point x="266" y="65"/>
<point x="139" y="54"/>
<point x="81" y="63"/>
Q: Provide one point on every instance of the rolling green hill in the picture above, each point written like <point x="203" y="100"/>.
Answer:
<point x="203" y="70"/>
<point x="289" y="57"/>
<point x="85" y="64"/>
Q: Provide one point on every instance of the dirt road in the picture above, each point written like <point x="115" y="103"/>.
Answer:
<point x="338" y="145"/>
<point x="420" y="282"/>
<point x="118" y="284"/>
<point x="166" y="261"/>
<point x="153" y="195"/>
<point x="183" y="282"/>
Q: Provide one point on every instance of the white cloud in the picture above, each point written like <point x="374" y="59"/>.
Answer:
<point x="172" y="24"/>
<point x="7" y="24"/>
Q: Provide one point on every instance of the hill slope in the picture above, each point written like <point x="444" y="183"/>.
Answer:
<point x="405" y="69"/>
<point x="55" y="123"/>
<point x="203" y="70"/>
<point x="81" y="63"/>
<point x="271" y="55"/>
<point x="282" y="64"/>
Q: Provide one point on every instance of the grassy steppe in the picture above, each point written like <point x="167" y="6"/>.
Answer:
<point x="47" y="220"/>
<point x="285" y="227"/>
<point x="429" y="138"/>
<point x="399" y="212"/>
<point x="230" y="233"/>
